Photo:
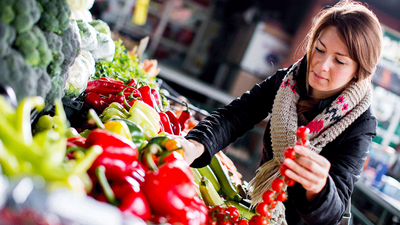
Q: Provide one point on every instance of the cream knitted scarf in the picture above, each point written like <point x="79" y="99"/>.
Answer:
<point x="325" y="127"/>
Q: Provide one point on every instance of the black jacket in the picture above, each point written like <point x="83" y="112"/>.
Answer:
<point x="347" y="153"/>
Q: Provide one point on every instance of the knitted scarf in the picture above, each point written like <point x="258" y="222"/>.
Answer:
<point x="325" y="127"/>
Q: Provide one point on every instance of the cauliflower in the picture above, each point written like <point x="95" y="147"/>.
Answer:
<point x="89" y="61"/>
<point x="88" y="36"/>
<point x="83" y="15"/>
<point x="81" y="4"/>
<point x="79" y="74"/>
<point x="105" y="48"/>
<point x="101" y="26"/>
<point x="55" y="15"/>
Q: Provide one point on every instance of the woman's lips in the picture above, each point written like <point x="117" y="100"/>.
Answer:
<point x="318" y="77"/>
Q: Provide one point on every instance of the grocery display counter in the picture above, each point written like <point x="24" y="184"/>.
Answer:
<point x="371" y="206"/>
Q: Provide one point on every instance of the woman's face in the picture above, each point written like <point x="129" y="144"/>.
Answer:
<point x="331" y="68"/>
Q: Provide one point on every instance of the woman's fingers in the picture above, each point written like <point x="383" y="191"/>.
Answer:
<point x="309" y="169"/>
<point x="304" y="152"/>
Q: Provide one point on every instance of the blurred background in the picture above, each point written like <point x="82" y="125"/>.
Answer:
<point x="211" y="51"/>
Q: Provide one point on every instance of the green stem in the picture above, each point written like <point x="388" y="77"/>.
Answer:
<point x="93" y="115"/>
<point x="126" y="104"/>
<point x="101" y="176"/>
<point x="149" y="151"/>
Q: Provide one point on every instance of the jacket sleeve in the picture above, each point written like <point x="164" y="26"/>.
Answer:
<point x="347" y="155"/>
<point x="226" y="124"/>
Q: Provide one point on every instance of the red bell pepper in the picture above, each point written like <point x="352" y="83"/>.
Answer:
<point x="111" y="80"/>
<point x="184" y="117"/>
<point x="113" y="146"/>
<point x="157" y="98"/>
<point x="169" y="188"/>
<point x="76" y="142"/>
<point x="97" y="102"/>
<point x="118" y="169"/>
<point x="176" y="127"/>
<point x="105" y="87"/>
<point x="132" y="82"/>
<point x="126" y="196"/>
<point x="147" y="97"/>
<point x="165" y="123"/>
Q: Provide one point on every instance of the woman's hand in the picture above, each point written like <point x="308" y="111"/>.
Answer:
<point x="309" y="169"/>
<point x="192" y="148"/>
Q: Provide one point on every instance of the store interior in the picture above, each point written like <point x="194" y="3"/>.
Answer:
<point x="211" y="51"/>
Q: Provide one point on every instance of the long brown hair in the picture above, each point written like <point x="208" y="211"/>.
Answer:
<point x="359" y="29"/>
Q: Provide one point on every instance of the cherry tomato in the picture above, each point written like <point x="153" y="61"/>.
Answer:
<point x="233" y="212"/>
<point x="283" y="169"/>
<point x="290" y="153"/>
<point x="242" y="222"/>
<point x="302" y="132"/>
<point x="268" y="196"/>
<point x="224" y="222"/>
<point x="281" y="196"/>
<point x="273" y="204"/>
<point x="289" y="182"/>
<point x="277" y="184"/>
<point x="211" y="223"/>
<point x="262" y="208"/>
<point x="258" y="220"/>
<point x="303" y="142"/>
<point x="268" y="215"/>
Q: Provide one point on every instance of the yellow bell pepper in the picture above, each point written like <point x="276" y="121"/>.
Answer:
<point x="119" y="127"/>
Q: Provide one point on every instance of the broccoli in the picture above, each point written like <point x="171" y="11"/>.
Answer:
<point x="55" y="44"/>
<point x="7" y="13"/>
<point x="7" y="37"/>
<point x="21" y="14"/>
<point x="33" y="46"/>
<point x="56" y="92"/>
<point x="70" y="49"/>
<point x="44" y="83"/>
<point x="55" y="15"/>
<point x="16" y="73"/>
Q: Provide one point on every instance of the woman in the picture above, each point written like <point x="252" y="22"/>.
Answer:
<point x="328" y="90"/>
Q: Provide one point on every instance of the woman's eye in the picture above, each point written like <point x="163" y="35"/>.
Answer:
<point x="340" y="62"/>
<point x="319" y="50"/>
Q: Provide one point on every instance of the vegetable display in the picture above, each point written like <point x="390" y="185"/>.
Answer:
<point x="121" y="154"/>
<point x="39" y="33"/>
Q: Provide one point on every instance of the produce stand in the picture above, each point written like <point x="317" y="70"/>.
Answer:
<point x="91" y="143"/>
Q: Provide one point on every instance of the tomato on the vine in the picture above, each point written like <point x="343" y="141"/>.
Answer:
<point x="273" y="204"/>
<point x="262" y="208"/>
<point x="233" y="212"/>
<point x="224" y="222"/>
<point x="302" y="132"/>
<point x="290" y="153"/>
<point x="242" y="222"/>
<point x="258" y="220"/>
<point x="283" y="169"/>
<point x="281" y="196"/>
<point x="277" y="184"/>
<point x="289" y="182"/>
<point x="268" y="196"/>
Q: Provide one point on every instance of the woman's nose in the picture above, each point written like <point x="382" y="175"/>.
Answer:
<point x="325" y="64"/>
